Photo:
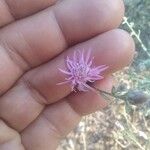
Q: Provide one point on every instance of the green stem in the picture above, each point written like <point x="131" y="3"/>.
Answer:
<point x="106" y="93"/>
<point x="136" y="35"/>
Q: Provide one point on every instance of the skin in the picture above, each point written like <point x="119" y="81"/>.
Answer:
<point x="35" y="37"/>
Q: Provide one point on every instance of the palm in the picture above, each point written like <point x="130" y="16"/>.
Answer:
<point x="35" y="112"/>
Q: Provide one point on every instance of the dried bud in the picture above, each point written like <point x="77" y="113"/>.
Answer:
<point x="136" y="97"/>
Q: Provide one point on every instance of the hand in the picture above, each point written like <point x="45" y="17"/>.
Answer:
<point x="35" y="36"/>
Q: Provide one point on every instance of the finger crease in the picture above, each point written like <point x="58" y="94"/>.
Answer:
<point x="75" y="111"/>
<point x="16" y="57"/>
<point x="35" y="93"/>
<point x="9" y="9"/>
<point x="14" y="133"/>
<point x="60" y="27"/>
<point x="52" y="127"/>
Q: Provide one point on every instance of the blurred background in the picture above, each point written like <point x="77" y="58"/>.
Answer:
<point x="125" y="124"/>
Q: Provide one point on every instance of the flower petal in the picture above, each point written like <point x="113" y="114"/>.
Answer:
<point x="88" y="55"/>
<point x="65" y="72"/>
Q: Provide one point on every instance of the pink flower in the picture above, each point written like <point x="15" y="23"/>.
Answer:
<point x="80" y="71"/>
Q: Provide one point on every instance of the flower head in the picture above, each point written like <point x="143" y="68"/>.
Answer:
<point x="80" y="71"/>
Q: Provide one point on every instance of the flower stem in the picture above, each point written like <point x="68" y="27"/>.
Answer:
<point x="106" y="94"/>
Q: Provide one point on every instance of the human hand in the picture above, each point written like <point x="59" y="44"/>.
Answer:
<point x="35" y="36"/>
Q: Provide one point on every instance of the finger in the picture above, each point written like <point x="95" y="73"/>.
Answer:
<point x="37" y="39"/>
<point x="89" y="102"/>
<point x="89" y="19"/>
<point x="26" y="100"/>
<point x="5" y="15"/>
<point x="9" y="138"/>
<point x="22" y="105"/>
<point x="12" y="10"/>
<point x="114" y="49"/>
<point x="60" y="118"/>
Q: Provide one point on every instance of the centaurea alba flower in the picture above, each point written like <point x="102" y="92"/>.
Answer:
<point x="80" y="71"/>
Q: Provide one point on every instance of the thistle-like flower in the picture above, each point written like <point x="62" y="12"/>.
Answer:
<point x="81" y="72"/>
